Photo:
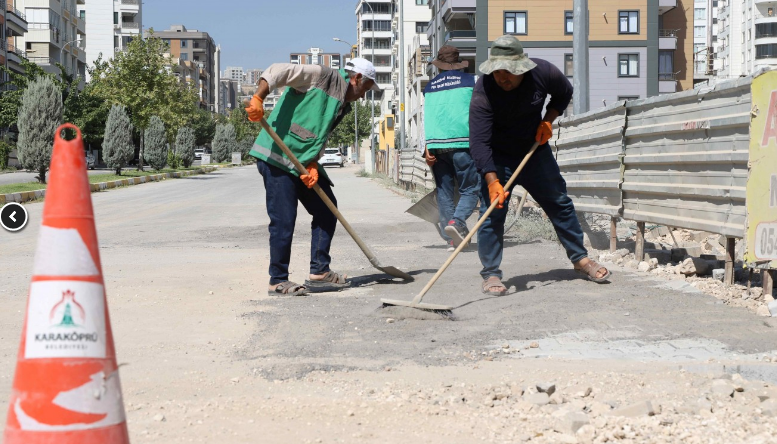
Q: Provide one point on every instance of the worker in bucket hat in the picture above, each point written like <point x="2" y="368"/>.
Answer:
<point x="507" y="116"/>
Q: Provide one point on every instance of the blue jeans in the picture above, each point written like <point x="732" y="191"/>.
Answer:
<point x="282" y="191"/>
<point x="450" y="167"/>
<point x="542" y="179"/>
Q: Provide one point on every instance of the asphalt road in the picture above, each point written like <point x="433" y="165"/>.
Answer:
<point x="185" y="265"/>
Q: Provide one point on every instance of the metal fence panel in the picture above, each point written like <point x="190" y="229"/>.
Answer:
<point x="413" y="171"/>
<point x="589" y="154"/>
<point x="686" y="159"/>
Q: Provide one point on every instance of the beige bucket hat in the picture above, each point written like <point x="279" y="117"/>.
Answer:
<point x="507" y="53"/>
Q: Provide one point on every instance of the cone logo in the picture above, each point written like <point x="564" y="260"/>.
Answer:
<point x="66" y="387"/>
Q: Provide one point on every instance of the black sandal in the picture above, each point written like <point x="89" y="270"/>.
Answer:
<point x="288" y="288"/>
<point x="330" y="280"/>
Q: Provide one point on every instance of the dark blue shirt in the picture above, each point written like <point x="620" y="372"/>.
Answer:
<point x="504" y="123"/>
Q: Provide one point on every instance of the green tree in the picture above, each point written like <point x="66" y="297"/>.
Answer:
<point x="343" y="134"/>
<point x="140" y="79"/>
<point x="13" y="89"/>
<point x="40" y="114"/>
<point x="204" y="126"/>
<point x="243" y="127"/>
<point x="223" y="142"/>
<point x="118" y="148"/>
<point x="156" y="143"/>
<point x="184" y="146"/>
<point x="245" y="147"/>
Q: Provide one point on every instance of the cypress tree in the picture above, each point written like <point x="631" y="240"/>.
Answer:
<point x="184" y="146"/>
<point x="118" y="148"/>
<point x="155" y="144"/>
<point x="40" y="114"/>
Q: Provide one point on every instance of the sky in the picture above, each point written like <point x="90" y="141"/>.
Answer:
<point x="258" y="33"/>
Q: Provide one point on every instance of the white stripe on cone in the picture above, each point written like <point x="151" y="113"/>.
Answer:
<point x="62" y="252"/>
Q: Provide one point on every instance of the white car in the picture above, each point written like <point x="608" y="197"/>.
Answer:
<point x="332" y="156"/>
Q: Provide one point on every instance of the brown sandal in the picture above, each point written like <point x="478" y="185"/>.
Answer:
<point x="591" y="269"/>
<point x="288" y="288"/>
<point x="493" y="282"/>
<point x="330" y="280"/>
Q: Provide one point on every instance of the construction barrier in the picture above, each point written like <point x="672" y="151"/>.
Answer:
<point x="66" y="388"/>
<point x="703" y="159"/>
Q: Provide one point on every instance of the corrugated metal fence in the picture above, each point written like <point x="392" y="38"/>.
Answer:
<point x="678" y="159"/>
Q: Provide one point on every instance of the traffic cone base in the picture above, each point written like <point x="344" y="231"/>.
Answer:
<point x="66" y="388"/>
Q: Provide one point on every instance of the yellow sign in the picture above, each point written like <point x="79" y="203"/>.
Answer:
<point x="402" y="107"/>
<point x="762" y="178"/>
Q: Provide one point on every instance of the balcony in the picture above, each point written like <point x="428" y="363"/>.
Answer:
<point x="460" y="36"/>
<point x="667" y="39"/>
<point x="454" y="7"/>
<point x="130" y="6"/>
<point x="16" y="20"/>
<point x="665" y="6"/>
<point x="667" y="82"/>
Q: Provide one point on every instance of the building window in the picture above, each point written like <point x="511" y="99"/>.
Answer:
<point x="421" y="27"/>
<point x="766" y="51"/>
<point x="516" y="22"/>
<point x="377" y="8"/>
<point x="628" y="22"/>
<point x="376" y="25"/>
<point x="765" y="30"/>
<point x="183" y="44"/>
<point x="115" y="18"/>
<point x="569" y="67"/>
<point x="699" y="31"/>
<point x="421" y="2"/>
<point x="628" y="65"/>
<point x="82" y="14"/>
<point x="700" y="14"/>
<point x="665" y="65"/>
<point x="184" y="56"/>
<point x="383" y="77"/>
<point x="378" y="43"/>
<point x="568" y="22"/>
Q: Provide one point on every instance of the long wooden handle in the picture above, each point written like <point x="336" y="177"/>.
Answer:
<point x="302" y="170"/>
<point x="474" y="229"/>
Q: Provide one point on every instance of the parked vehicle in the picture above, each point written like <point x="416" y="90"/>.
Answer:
<point x="332" y="156"/>
<point x="90" y="161"/>
<point x="198" y="153"/>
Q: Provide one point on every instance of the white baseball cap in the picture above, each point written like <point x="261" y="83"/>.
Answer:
<point x="363" y="67"/>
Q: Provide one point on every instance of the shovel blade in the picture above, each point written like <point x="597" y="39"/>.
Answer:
<point x="393" y="271"/>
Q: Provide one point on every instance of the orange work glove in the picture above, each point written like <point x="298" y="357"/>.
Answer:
<point x="255" y="109"/>
<point x="544" y="132"/>
<point x="311" y="178"/>
<point x="497" y="192"/>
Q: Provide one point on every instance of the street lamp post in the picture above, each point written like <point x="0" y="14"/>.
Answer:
<point x="62" y="51"/>
<point x="355" y="117"/>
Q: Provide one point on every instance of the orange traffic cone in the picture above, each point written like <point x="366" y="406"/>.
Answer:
<point x="66" y="389"/>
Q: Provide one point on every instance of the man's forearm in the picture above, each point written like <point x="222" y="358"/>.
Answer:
<point x="262" y="89"/>
<point x="551" y="114"/>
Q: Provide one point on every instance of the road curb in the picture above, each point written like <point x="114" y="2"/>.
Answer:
<point x="27" y="196"/>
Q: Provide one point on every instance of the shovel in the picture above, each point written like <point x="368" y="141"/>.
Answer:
<point x="391" y="271"/>
<point x="416" y="302"/>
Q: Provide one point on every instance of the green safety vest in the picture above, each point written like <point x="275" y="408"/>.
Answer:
<point x="303" y="120"/>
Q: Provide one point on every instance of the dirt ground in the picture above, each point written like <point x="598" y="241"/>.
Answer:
<point x="209" y="357"/>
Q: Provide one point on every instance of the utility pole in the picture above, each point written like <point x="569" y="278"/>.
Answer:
<point x="402" y="75"/>
<point x="580" y="97"/>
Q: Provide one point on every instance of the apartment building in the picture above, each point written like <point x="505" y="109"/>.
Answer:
<point x="234" y="73"/>
<point x="253" y="75"/>
<point x="55" y="31"/>
<point x="415" y="21"/>
<point x="111" y="25"/>
<point x="316" y="56"/>
<point x="13" y="26"/>
<point x="638" y="48"/>
<point x="747" y="37"/>
<point x="705" y="20"/>
<point x="375" y="37"/>
<point x="197" y="47"/>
